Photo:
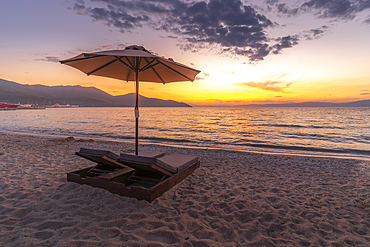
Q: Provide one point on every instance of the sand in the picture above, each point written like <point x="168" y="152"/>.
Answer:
<point x="233" y="199"/>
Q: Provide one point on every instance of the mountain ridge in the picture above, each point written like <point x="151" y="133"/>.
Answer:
<point x="359" y="103"/>
<point x="12" y="92"/>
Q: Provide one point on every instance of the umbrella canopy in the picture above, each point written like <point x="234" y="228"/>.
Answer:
<point x="134" y="63"/>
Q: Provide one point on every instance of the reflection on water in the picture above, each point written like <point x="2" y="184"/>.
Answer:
<point x="311" y="129"/>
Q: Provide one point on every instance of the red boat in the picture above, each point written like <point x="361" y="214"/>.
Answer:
<point x="4" y="105"/>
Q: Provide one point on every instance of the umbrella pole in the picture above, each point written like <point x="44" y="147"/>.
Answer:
<point x="137" y="110"/>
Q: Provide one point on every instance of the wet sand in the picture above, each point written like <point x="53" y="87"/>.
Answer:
<point x="233" y="199"/>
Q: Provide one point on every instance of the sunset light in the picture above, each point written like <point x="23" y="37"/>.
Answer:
<point x="184" y="123"/>
<point x="320" y="57"/>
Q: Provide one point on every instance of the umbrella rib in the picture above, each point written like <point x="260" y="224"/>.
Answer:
<point x="128" y="65"/>
<point x="148" y="65"/>
<point x="160" y="78"/>
<point x="80" y="59"/>
<point x="185" y="67"/>
<point x="175" y="71"/>
<point x="132" y="65"/>
<point x="128" y="75"/>
<point x="101" y="67"/>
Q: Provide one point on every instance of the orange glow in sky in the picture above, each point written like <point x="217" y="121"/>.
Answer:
<point x="329" y="62"/>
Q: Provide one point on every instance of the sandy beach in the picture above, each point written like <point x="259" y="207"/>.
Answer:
<point x="233" y="199"/>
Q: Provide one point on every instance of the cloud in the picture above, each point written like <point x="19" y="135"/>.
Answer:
<point x="233" y="101"/>
<point x="263" y="101"/>
<point x="330" y="9"/>
<point x="285" y="42"/>
<point x="169" y="37"/>
<point x="283" y="9"/>
<point x="216" y="100"/>
<point x="226" y="25"/>
<point x="198" y="78"/>
<point x="315" y="33"/>
<point x="235" y="27"/>
<point x="274" y="86"/>
<point x="113" y="13"/>
<point x="343" y="9"/>
<point x="86" y="84"/>
<point x="155" y="88"/>
<point x="365" y="94"/>
<point x="50" y="59"/>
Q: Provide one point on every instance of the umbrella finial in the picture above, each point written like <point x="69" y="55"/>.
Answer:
<point x="136" y="47"/>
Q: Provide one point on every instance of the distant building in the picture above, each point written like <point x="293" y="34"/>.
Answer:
<point x="5" y="105"/>
<point x="64" y="106"/>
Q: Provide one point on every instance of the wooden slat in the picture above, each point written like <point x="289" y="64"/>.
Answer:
<point x="117" y="173"/>
<point x="104" y="160"/>
<point x="149" y="194"/>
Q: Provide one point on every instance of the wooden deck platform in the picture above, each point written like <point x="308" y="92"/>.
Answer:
<point x="129" y="182"/>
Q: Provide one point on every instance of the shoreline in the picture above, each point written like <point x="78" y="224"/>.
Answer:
<point x="233" y="199"/>
<point x="247" y="150"/>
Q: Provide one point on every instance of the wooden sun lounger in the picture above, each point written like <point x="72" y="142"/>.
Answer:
<point x="106" y="160"/>
<point x="144" y="176"/>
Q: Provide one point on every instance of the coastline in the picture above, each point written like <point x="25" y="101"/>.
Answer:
<point x="233" y="199"/>
<point x="247" y="149"/>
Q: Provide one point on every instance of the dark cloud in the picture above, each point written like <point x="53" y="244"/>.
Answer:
<point x="224" y="26"/>
<point x="235" y="27"/>
<point x="285" y="42"/>
<point x="365" y="94"/>
<point x="50" y="59"/>
<point x="170" y="37"/>
<point x="114" y="13"/>
<point x="333" y="9"/>
<point x="315" y="33"/>
<point x="282" y="8"/>
<point x="344" y="9"/>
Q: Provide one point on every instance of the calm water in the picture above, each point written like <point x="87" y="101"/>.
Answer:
<point x="318" y="130"/>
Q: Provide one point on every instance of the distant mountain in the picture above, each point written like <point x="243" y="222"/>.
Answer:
<point x="361" y="103"/>
<point x="12" y="92"/>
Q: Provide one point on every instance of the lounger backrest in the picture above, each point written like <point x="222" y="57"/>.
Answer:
<point x="97" y="152"/>
<point x="173" y="163"/>
<point x="146" y="163"/>
<point x="100" y="156"/>
<point x="153" y="154"/>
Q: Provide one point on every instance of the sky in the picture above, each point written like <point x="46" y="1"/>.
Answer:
<point x="248" y="52"/>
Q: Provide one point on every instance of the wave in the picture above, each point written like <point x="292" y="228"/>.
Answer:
<point x="310" y="149"/>
<point x="299" y="126"/>
<point x="261" y="145"/>
<point x="335" y="131"/>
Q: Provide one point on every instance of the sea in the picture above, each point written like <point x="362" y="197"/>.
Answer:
<point x="323" y="131"/>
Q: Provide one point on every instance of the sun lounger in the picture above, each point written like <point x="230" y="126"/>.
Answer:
<point x="107" y="164"/>
<point x="107" y="161"/>
<point x="151" y="170"/>
<point x="143" y="177"/>
<point x="168" y="165"/>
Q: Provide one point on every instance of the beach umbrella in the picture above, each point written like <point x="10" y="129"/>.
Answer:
<point x="134" y="63"/>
